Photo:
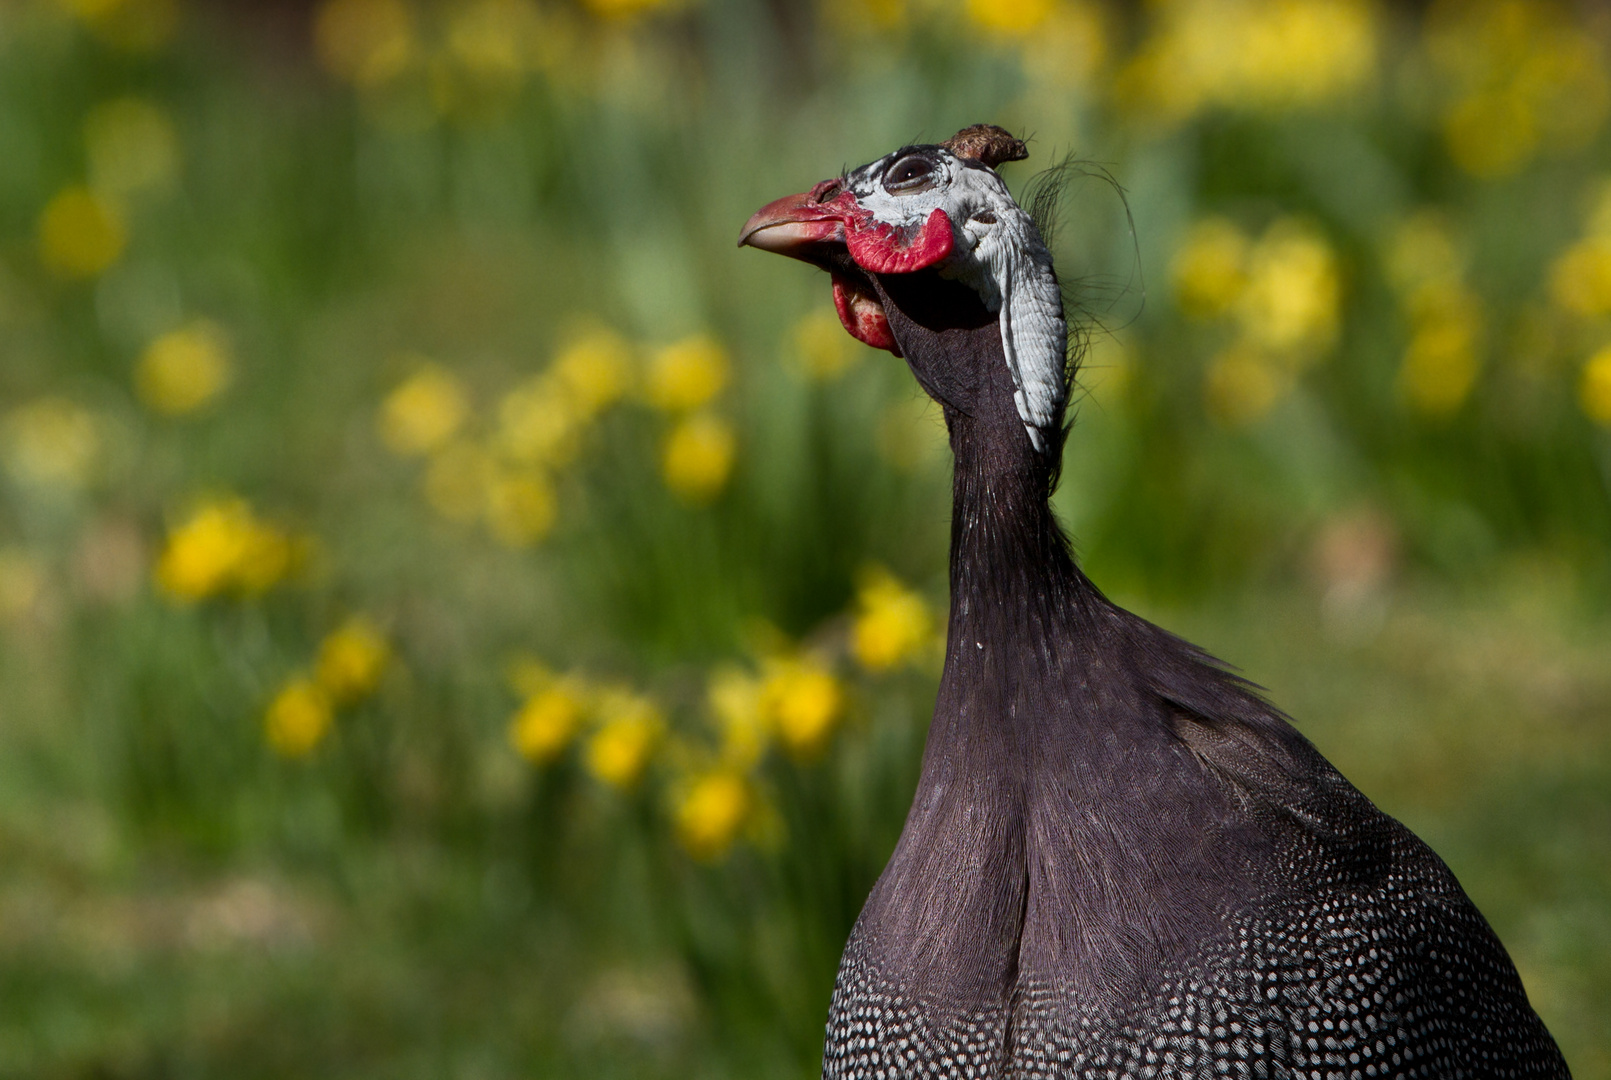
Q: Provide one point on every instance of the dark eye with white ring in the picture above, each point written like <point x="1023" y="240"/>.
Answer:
<point x="909" y="175"/>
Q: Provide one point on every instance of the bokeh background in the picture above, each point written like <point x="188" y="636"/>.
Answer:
<point x="460" y="617"/>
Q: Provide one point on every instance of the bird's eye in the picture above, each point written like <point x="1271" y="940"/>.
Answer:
<point x="910" y="174"/>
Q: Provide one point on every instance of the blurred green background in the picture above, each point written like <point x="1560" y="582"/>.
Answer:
<point x="459" y="616"/>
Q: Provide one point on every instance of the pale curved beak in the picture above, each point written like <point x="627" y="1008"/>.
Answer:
<point x="793" y="225"/>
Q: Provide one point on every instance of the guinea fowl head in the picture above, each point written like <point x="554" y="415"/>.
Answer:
<point x="933" y="260"/>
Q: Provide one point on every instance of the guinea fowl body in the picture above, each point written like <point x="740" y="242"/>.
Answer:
<point x="1120" y="860"/>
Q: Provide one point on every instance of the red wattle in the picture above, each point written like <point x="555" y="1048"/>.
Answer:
<point x="881" y="249"/>
<point x="862" y="317"/>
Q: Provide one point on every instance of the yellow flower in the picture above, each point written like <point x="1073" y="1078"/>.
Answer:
<point x="351" y="661"/>
<point x="1441" y="364"/>
<point x="1009" y="17"/>
<point x="367" y="42"/>
<point x="22" y="582"/>
<point x="711" y="812"/>
<point x="423" y="413"/>
<point x="893" y="624"/>
<point x="457" y="481"/>
<point x="539" y="422"/>
<point x="131" y="146"/>
<point x="183" y="369"/>
<point x="1209" y="270"/>
<point x="698" y="457"/>
<point x="298" y="718"/>
<point x="686" y="375"/>
<point x="803" y="701"/>
<point x="133" y="25"/>
<point x="489" y="38"/>
<point x="1580" y="281"/>
<point x="625" y="9"/>
<point x="52" y="443"/>
<point x="822" y="347"/>
<point x="629" y="727"/>
<point x="1290" y="301"/>
<point x="1594" y="391"/>
<point x="1242" y="385"/>
<point x="520" y="508"/>
<point x="1264" y="55"/>
<point x="222" y="547"/>
<point x="595" y="369"/>
<point x="547" y="721"/>
<point x="80" y="234"/>
<point x="1490" y="134"/>
<point x="735" y="701"/>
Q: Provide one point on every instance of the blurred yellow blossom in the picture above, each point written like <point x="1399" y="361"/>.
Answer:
<point x="711" y="812"/>
<point x="1242" y="385"/>
<point x="457" y="481"/>
<point x="822" y="347"/>
<point x="735" y="701"/>
<point x="183" y="369"/>
<point x="1009" y="17"/>
<point x="547" y="721"/>
<point x="1210" y="268"/>
<point x="1441" y="363"/>
<point x="1594" y="390"/>
<point x="863" y="16"/>
<point x="1291" y="299"/>
<point x="423" y="412"/>
<point x="629" y="727"/>
<point x="223" y="547"/>
<point x="351" y="660"/>
<point x="626" y="9"/>
<point x="595" y="368"/>
<point x="892" y="625"/>
<point x="80" y="233"/>
<point x="698" y="457"/>
<point x="1070" y="48"/>
<point x="51" y="443"/>
<point x="1423" y="249"/>
<point x="490" y="38"/>
<point x="1519" y="75"/>
<point x="802" y="701"/>
<point x="133" y="25"/>
<point x="131" y="146"/>
<point x="539" y="422"/>
<point x="1270" y="55"/>
<point x="687" y="374"/>
<point x="1580" y="280"/>
<point x="22" y="582"/>
<point x="298" y="718"/>
<point x="520" y="507"/>
<point x="367" y="42"/>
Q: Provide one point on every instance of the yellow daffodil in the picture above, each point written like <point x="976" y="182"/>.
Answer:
<point x="686" y="375"/>
<point x="711" y="812"/>
<point x="1210" y="268"/>
<point x="223" y="547"/>
<point x="629" y="727"/>
<point x="548" y="720"/>
<point x="184" y="369"/>
<point x="803" y="701"/>
<point x="539" y="422"/>
<point x="735" y="701"/>
<point x="298" y="718"/>
<point x="1291" y="298"/>
<point x="1242" y="385"/>
<point x="366" y="42"/>
<point x="892" y="624"/>
<point x="596" y="369"/>
<point x="1594" y="388"/>
<point x="823" y="349"/>
<point x="22" y="582"/>
<point x="1441" y="364"/>
<point x="80" y="233"/>
<point x="520" y="507"/>
<point x="698" y="457"/>
<point x="423" y="413"/>
<point x="351" y="661"/>
<point x="51" y="443"/>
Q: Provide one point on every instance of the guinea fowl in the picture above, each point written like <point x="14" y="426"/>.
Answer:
<point x="1120" y="860"/>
